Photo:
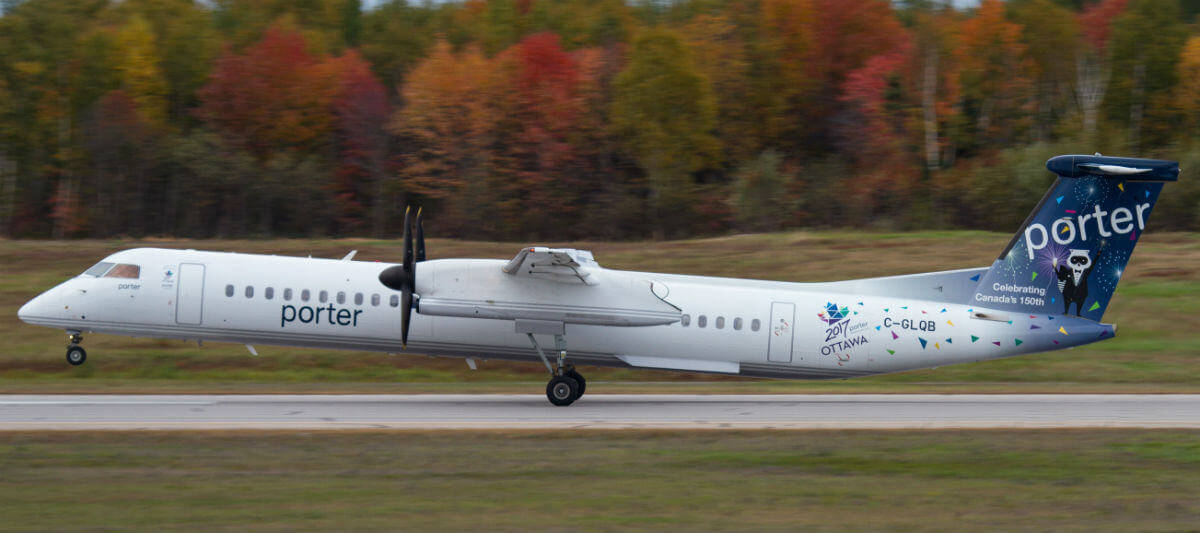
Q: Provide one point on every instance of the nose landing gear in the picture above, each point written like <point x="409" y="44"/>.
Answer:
<point x="566" y="384"/>
<point x="76" y="355"/>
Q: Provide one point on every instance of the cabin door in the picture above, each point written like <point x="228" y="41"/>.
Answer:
<point x="783" y="326"/>
<point x="189" y="297"/>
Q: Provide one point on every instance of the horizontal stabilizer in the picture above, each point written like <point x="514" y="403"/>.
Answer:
<point x="1127" y="168"/>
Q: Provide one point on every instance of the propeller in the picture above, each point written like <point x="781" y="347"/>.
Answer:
<point x="403" y="277"/>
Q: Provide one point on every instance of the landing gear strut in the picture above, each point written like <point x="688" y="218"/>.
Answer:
<point x="76" y="355"/>
<point x="566" y="384"/>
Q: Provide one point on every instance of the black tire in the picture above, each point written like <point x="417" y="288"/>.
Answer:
<point x="577" y="377"/>
<point x="562" y="391"/>
<point x="76" y="355"/>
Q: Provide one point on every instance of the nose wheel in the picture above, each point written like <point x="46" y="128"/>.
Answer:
<point x="566" y="384"/>
<point x="76" y="355"/>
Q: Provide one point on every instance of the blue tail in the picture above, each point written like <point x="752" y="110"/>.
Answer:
<point x="1072" y="249"/>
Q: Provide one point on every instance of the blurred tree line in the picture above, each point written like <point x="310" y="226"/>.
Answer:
<point x="521" y="119"/>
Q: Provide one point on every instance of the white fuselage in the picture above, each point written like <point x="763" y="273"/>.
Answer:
<point x="734" y="326"/>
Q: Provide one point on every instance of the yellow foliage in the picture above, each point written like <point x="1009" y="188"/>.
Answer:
<point x="140" y="70"/>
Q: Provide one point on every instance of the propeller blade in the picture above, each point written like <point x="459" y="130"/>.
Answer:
<point x="408" y="241"/>
<point x="406" y="298"/>
<point x="420" y="237"/>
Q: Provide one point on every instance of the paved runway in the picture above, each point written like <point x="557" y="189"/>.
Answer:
<point x="495" y="411"/>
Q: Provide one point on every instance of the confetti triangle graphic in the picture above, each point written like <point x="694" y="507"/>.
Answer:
<point x="1010" y="322"/>
<point x="1133" y="236"/>
<point x="943" y="310"/>
<point x="1032" y="316"/>
<point x="1051" y="317"/>
<point x="1018" y="341"/>
<point x="895" y="336"/>
<point x="923" y="312"/>
<point x="877" y="328"/>
<point x="860" y="303"/>
<point x="1034" y="326"/>
<point x="974" y="338"/>
<point x="951" y="322"/>
<point x="1147" y="193"/>
<point x="1064" y="229"/>
<point x="891" y="352"/>
<point x="904" y="307"/>
<point x="938" y="346"/>
<point x="1095" y="306"/>
<point x="1055" y="342"/>
<point x="1121" y="186"/>
<point x="975" y="277"/>
<point x="1052" y="301"/>
<point x="948" y="341"/>
<point x="923" y="342"/>
<point x="997" y="343"/>
<point x="1033" y="276"/>
<point x="1062" y="330"/>
<point x="1059" y="199"/>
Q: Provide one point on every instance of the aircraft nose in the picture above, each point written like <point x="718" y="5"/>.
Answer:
<point x="37" y="307"/>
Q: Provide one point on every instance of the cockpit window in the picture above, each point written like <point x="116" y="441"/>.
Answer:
<point x="98" y="270"/>
<point x="125" y="271"/>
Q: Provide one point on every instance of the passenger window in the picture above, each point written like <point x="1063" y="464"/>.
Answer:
<point x="701" y="321"/>
<point x="304" y="294"/>
<point x="229" y="291"/>
<point x="685" y="320"/>
<point x="269" y="292"/>
<point x="323" y="296"/>
<point x="754" y="324"/>
<point x="720" y="322"/>
<point x="341" y="297"/>
<point x="358" y="298"/>
<point x="375" y="300"/>
<point x="249" y="291"/>
<point x="737" y="324"/>
<point x="394" y="301"/>
<point x="287" y="294"/>
<point x="98" y="269"/>
<point x="125" y="271"/>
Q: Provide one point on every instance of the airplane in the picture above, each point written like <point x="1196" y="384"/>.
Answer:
<point x="1047" y="290"/>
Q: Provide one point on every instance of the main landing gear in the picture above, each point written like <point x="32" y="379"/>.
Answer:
<point x="76" y="355"/>
<point x="566" y="384"/>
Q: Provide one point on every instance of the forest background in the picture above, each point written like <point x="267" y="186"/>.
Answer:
<point x="569" y="119"/>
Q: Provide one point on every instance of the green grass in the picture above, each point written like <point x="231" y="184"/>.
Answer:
<point x="1093" y="480"/>
<point x="1157" y="347"/>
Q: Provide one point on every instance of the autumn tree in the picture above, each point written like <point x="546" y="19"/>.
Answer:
<point x="1049" y="32"/>
<point x="1146" y="41"/>
<point x="363" y="183"/>
<point x="994" y="74"/>
<point x="1093" y="61"/>
<point x="276" y="95"/>
<point x="665" y="111"/>
<point x="449" y="126"/>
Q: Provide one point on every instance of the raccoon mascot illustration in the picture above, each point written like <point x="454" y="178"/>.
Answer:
<point x="1073" y="278"/>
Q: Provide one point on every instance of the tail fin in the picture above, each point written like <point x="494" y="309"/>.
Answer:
<point x="1072" y="249"/>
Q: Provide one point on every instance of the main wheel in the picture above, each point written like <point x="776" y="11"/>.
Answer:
<point x="76" y="355"/>
<point x="562" y="390"/>
<point x="577" y="377"/>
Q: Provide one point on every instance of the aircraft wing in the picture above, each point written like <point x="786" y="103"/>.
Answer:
<point x="562" y="265"/>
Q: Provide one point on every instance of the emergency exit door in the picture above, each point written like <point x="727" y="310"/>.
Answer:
<point x="782" y="327"/>
<point x="189" y="296"/>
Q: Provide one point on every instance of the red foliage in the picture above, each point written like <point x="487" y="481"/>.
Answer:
<point x="1096" y="21"/>
<point x="274" y="95"/>
<point x="362" y="110"/>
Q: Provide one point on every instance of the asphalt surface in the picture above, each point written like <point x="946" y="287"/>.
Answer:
<point x="502" y="411"/>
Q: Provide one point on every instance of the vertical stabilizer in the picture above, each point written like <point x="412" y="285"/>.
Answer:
<point x="1070" y="253"/>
